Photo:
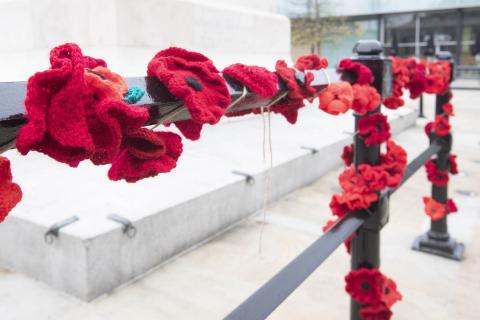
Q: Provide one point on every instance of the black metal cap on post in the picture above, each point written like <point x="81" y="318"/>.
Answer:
<point x="368" y="48"/>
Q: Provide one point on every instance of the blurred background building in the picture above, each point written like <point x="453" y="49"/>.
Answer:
<point x="408" y="28"/>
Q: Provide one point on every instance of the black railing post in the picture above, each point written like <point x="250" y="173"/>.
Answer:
<point x="365" y="246"/>
<point x="420" y="111"/>
<point x="437" y="240"/>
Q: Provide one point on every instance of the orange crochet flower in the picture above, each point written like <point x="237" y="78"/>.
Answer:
<point x="365" y="98"/>
<point x="336" y="98"/>
<point x="105" y="83"/>
<point x="434" y="209"/>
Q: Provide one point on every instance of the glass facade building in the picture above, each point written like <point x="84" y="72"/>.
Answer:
<point x="416" y="28"/>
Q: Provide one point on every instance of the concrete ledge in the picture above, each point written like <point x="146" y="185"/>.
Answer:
<point x="172" y="212"/>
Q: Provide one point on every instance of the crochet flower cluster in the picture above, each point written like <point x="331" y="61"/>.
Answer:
<point x="10" y="193"/>
<point x="376" y="292"/>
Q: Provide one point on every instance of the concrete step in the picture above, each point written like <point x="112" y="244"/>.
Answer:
<point x="171" y="212"/>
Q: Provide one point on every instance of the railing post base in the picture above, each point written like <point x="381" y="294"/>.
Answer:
<point x="433" y="244"/>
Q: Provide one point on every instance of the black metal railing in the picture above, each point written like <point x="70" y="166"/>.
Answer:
<point x="366" y="224"/>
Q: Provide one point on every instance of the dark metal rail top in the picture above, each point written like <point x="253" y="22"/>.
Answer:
<point x="163" y="106"/>
<point x="268" y="297"/>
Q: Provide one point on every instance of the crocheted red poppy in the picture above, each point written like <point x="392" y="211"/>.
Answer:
<point x="10" y="193"/>
<point x="450" y="206"/>
<point x="289" y="109"/>
<point x="378" y="311"/>
<point x="55" y="104"/>
<point x="441" y="127"/>
<point x="435" y="176"/>
<point x="71" y="113"/>
<point x="448" y="109"/>
<point x="347" y="154"/>
<point x="394" y="162"/>
<point x="192" y="78"/>
<point x="401" y="76"/>
<point x="146" y="153"/>
<point x="365" y="99"/>
<point x="347" y="201"/>
<point x="362" y="72"/>
<point x="364" y="285"/>
<point x="438" y="77"/>
<point x="434" y="209"/>
<point x="417" y="83"/>
<point x="257" y="79"/>
<point x="390" y="294"/>
<point x="336" y="98"/>
<point x="452" y="164"/>
<point x="374" y="129"/>
<point x="375" y="177"/>
<point x="311" y="62"/>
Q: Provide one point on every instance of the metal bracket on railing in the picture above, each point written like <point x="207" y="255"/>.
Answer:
<point x="312" y="150"/>
<point x="53" y="231"/>
<point x="128" y="228"/>
<point x="249" y="179"/>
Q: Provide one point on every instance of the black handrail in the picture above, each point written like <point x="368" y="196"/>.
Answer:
<point x="162" y="105"/>
<point x="269" y="296"/>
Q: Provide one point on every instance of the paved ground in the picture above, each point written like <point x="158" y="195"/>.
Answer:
<point x="212" y="279"/>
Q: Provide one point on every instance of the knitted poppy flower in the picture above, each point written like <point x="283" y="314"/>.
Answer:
<point x="452" y="164"/>
<point x="347" y="154"/>
<point x="288" y="109"/>
<point x="378" y="311"/>
<point x="401" y="76"/>
<point x="365" y="99"/>
<point x="437" y="77"/>
<point x="428" y="128"/>
<point x="435" y="176"/>
<point x="375" y="177"/>
<point x="390" y="294"/>
<point x="192" y="78"/>
<point x="417" y="83"/>
<point x="441" y="127"/>
<point x="448" y="109"/>
<point x="336" y="98"/>
<point x="450" y="206"/>
<point x="349" y="201"/>
<point x="434" y="209"/>
<point x="257" y="79"/>
<point x="364" y="285"/>
<point x="393" y="163"/>
<point x="393" y="102"/>
<point x="57" y="124"/>
<point x="146" y="153"/>
<point x="374" y="129"/>
<point x="311" y="62"/>
<point x="362" y="72"/>
<point x="352" y="181"/>
<point x="10" y="193"/>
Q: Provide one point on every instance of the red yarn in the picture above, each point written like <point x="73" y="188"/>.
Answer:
<point x="376" y="312"/>
<point x="428" y="128"/>
<point x="448" y="109"/>
<point x="336" y="98"/>
<point x="362" y="72"/>
<point x="258" y="80"/>
<point x="10" y="193"/>
<point x="417" y="83"/>
<point x="146" y="153"/>
<point x="452" y="164"/>
<point x="329" y="224"/>
<point x="192" y="78"/>
<point x="364" y="285"/>
<point x="441" y="127"/>
<point x="450" y="206"/>
<point x="401" y="76"/>
<point x="390" y="294"/>
<point x="366" y="99"/>
<point x="347" y="154"/>
<point x="374" y="129"/>
<point x="311" y="62"/>
<point x="394" y="162"/>
<point x="69" y="117"/>
<point x="435" y="176"/>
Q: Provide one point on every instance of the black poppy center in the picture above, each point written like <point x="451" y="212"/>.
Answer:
<point x="387" y="290"/>
<point x="365" y="286"/>
<point x="193" y="83"/>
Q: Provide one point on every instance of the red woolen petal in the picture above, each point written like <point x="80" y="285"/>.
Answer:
<point x="192" y="78"/>
<point x="10" y="193"/>
<point x="311" y="62"/>
<point x="130" y="168"/>
<point x="452" y="161"/>
<point x="258" y="80"/>
<point x="375" y="312"/>
<point x="337" y="98"/>
<point x="441" y="127"/>
<point x="364" y="285"/>
<point x="450" y="206"/>
<point x="390" y="294"/>
<point x="347" y="154"/>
